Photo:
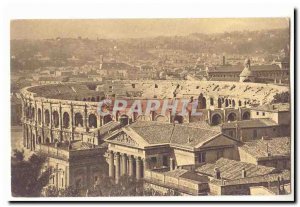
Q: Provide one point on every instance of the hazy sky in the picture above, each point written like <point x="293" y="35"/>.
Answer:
<point x="124" y="28"/>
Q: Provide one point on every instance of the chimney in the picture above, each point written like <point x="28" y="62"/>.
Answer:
<point x="217" y="173"/>
<point x="244" y="173"/>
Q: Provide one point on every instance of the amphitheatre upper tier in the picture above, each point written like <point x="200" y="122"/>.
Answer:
<point x="158" y="89"/>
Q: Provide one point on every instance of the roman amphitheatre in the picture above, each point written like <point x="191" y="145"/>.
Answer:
<point x="69" y="111"/>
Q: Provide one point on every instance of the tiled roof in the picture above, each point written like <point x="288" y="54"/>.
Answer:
<point x="232" y="169"/>
<point x="279" y="146"/>
<point x="186" y="174"/>
<point x="176" y="134"/>
<point x="253" y="123"/>
<point x="286" y="175"/>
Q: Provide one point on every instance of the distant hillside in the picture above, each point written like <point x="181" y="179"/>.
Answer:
<point x="245" y="42"/>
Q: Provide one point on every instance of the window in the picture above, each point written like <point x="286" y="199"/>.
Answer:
<point x="156" y="86"/>
<point x="133" y="85"/>
<point x="263" y="113"/>
<point x="201" y="157"/>
<point x="254" y="133"/>
<point x="257" y="113"/>
<point x="96" y="178"/>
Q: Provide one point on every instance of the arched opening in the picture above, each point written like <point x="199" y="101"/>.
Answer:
<point x="216" y="119"/>
<point x="178" y="119"/>
<point x="27" y="111"/>
<point x="93" y="99"/>
<point x="32" y="113"/>
<point x="39" y="116"/>
<point x="78" y="120"/>
<point x="47" y="140"/>
<point x="229" y="101"/>
<point x="246" y="115"/>
<point x="233" y="103"/>
<point x="219" y="103"/>
<point x="56" y="119"/>
<point x="124" y="120"/>
<point x="92" y="121"/>
<point x="39" y="140"/>
<point x="66" y="120"/>
<point x="226" y="103"/>
<point x="211" y="101"/>
<point x="107" y="118"/>
<point x="240" y="103"/>
<point x="201" y="102"/>
<point x="84" y="99"/>
<point x="231" y="117"/>
<point x="33" y="142"/>
<point x="47" y="117"/>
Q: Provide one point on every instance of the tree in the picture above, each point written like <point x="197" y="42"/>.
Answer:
<point x="281" y="98"/>
<point x="52" y="191"/>
<point x="127" y="186"/>
<point x="27" y="177"/>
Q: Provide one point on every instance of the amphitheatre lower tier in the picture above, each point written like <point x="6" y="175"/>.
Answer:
<point x="68" y="111"/>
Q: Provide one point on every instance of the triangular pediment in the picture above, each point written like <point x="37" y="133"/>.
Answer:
<point x="127" y="138"/>
<point x="218" y="141"/>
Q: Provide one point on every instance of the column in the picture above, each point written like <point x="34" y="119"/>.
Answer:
<point x="117" y="155"/>
<point x="138" y="168"/>
<point x="111" y="164"/>
<point x="130" y="158"/>
<point x="124" y="164"/>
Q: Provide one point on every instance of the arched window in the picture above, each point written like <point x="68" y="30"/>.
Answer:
<point x="47" y="117"/>
<point x="231" y="117"/>
<point x="211" y="101"/>
<point x="107" y="118"/>
<point x="226" y="103"/>
<point x="233" y="103"/>
<point x="246" y="115"/>
<point x="240" y="103"/>
<point x="93" y="99"/>
<point x="66" y="120"/>
<point x="92" y="121"/>
<point x="201" y="102"/>
<point x="78" y="120"/>
<point x="216" y="119"/>
<point x="39" y="116"/>
<point x="219" y="103"/>
<point x="55" y="119"/>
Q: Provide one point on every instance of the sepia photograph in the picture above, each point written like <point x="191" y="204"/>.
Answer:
<point x="151" y="108"/>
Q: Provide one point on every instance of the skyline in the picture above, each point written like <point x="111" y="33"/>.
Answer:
<point x="137" y="28"/>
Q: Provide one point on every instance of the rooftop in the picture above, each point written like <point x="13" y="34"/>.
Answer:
<point x="279" y="146"/>
<point x="232" y="169"/>
<point x="176" y="134"/>
<point x="253" y="123"/>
